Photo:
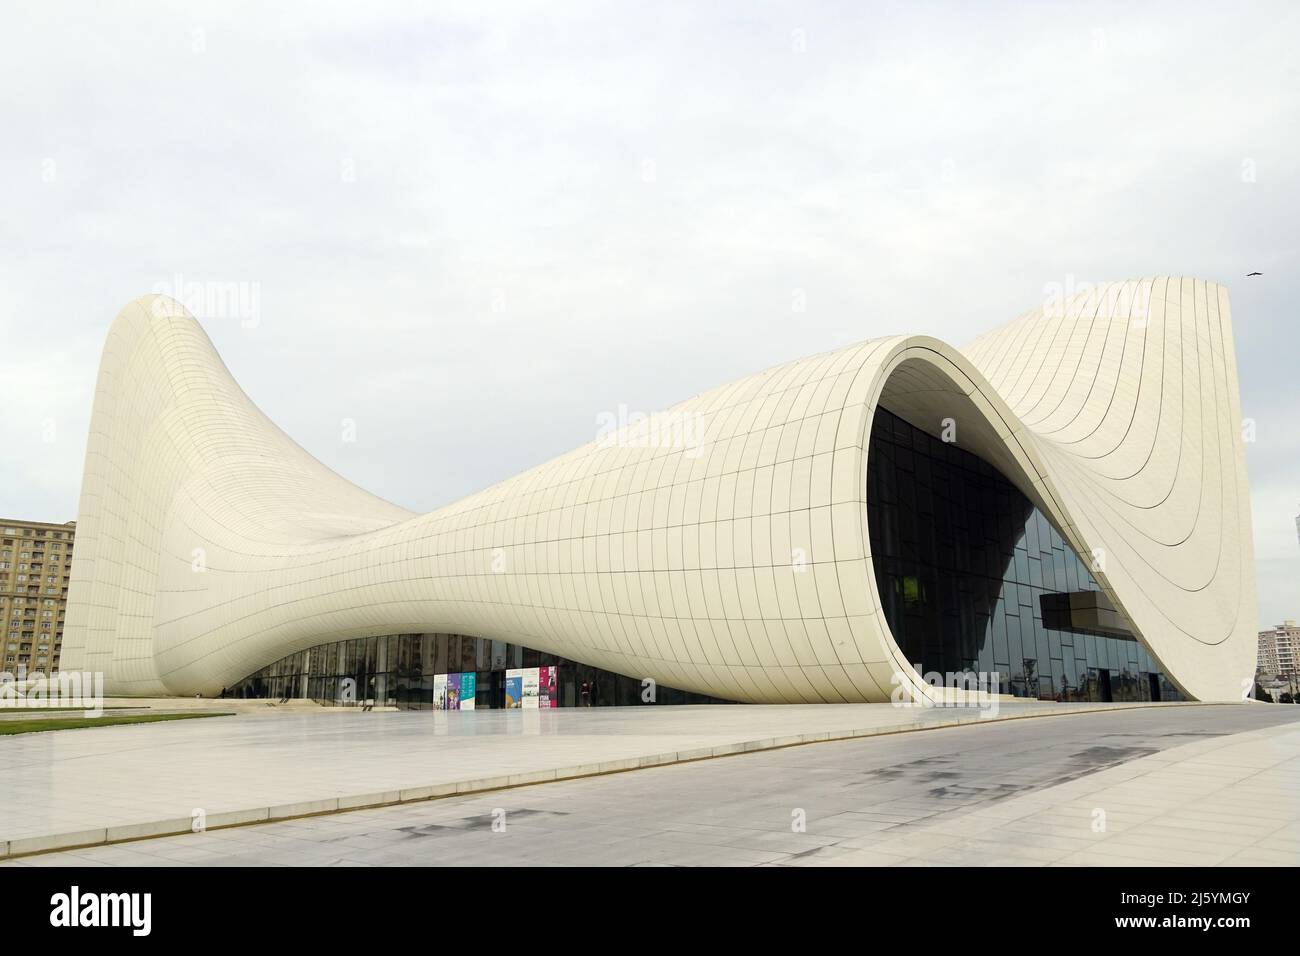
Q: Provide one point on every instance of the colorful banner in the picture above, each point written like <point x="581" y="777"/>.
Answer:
<point x="514" y="688"/>
<point x="439" y="691"/>
<point x="548" y="693"/>
<point x="468" y="690"/>
<point x="453" y="692"/>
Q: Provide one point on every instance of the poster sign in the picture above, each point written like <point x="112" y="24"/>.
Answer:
<point x="468" y="690"/>
<point x="453" y="692"/>
<point x="514" y="688"/>
<point x="532" y="687"/>
<point x="548" y="692"/>
<point x="439" y="691"/>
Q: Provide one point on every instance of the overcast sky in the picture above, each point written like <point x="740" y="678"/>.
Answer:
<point x="473" y="234"/>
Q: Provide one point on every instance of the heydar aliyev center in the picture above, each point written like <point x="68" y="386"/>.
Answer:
<point x="1062" y="502"/>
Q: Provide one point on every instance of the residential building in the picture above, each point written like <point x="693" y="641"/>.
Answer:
<point x="35" y="569"/>
<point x="1279" y="653"/>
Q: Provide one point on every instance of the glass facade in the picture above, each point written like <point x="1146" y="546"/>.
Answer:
<point x="400" y="670"/>
<point x="973" y="577"/>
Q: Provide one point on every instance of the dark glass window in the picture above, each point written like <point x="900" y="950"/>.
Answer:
<point x="973" y="577"/>
<point x="399" y="671"/>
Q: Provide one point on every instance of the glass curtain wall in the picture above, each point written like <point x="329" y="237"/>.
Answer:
<point x="400" y="671"/>
<point x="965" y="565"/>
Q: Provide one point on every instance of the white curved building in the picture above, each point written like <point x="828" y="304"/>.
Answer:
<point x="735" y="557"/>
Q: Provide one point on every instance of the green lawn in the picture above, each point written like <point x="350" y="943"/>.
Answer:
<point x="52" y="710"/>
<point x="74" y="723"/>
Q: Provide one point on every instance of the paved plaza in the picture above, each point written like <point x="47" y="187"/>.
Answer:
<point x="1189" y="785"/>
<point x="112" y="783"/>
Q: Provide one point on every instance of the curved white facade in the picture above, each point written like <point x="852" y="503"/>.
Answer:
<point x="734" y="563"/>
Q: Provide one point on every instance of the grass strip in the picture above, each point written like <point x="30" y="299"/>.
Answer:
<point x="10" y="727"/>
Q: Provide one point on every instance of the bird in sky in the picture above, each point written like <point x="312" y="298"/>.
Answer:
<point x="1249" y="274"/>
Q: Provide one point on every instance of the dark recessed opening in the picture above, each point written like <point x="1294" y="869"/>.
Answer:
<point x="973" y="577"/>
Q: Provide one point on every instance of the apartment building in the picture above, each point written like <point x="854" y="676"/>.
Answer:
<point x="35" y="562"/>
<point x="1279" y="651"/>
